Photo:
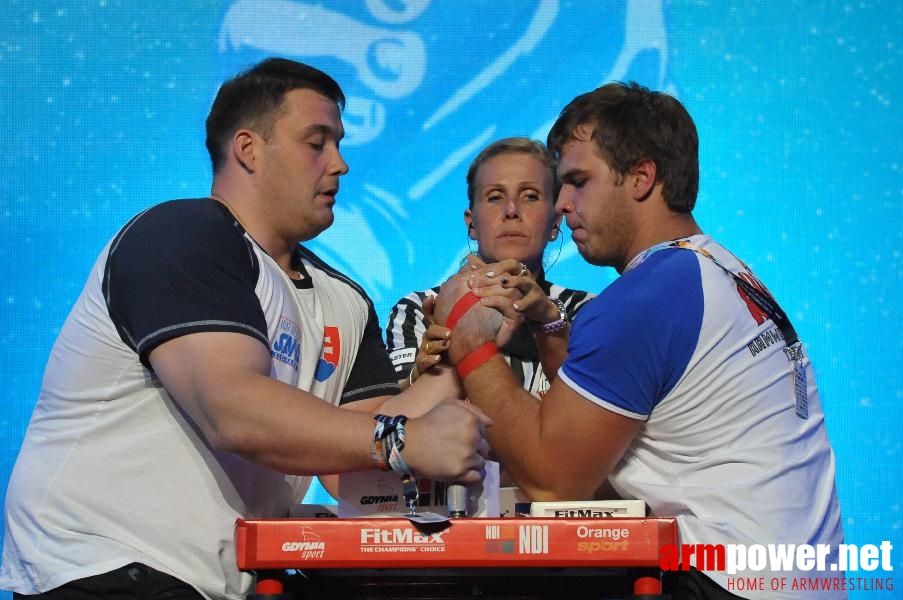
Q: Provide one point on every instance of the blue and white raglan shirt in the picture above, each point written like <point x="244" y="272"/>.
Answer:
<point x="674" y="343"/>
<point x="111" y="470"/>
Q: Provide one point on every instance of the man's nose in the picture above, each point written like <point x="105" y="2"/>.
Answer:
<point x="338" y="165"/>
<point x="563" y="204"/>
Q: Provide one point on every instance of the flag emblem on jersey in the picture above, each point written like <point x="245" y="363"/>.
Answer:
<point x="332" y="346"/>
<point x="286" y="347"/>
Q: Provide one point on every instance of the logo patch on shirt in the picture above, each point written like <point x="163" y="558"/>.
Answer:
<point x="332" y="346"/>
<point x="403" y="356"/>
<point x="287" y="346"/>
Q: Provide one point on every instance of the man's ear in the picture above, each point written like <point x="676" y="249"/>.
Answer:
<point x="244" y="146"/>
<point x="643" y="173"/>
<point x="468" y="220"/>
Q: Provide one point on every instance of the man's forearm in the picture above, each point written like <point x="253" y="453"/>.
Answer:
<point x="515" y="435"/>
<point x="553" y="349"/>
<point x="429" y="389"/>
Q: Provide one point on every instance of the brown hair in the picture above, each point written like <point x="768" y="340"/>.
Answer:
<point x="254" y="98"/>
<point x="630" y="123"/>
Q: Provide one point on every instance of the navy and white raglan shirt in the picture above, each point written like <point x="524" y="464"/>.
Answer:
<point x="407" y="324"/>
<point x="111" y="470"/>
<point x="672" y="342"/>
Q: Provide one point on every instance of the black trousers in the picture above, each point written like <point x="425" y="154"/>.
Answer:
<point x="131" y="582"/>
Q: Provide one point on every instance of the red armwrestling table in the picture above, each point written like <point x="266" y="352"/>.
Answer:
<point x="506" y="558"/>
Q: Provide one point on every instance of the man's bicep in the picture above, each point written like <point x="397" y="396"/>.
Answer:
<point x="631" y="345"/>
<point x="586" y="439"/>
<point x="204" y="372"/>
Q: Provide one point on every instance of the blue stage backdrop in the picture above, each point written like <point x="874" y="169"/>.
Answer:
<point x="797" y="105"/>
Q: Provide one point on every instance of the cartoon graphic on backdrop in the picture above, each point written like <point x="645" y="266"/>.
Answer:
<point x="429" y="84"/>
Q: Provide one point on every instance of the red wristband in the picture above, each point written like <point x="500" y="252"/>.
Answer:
<point x="475" y="358"/>
<point x="463" y="305"/>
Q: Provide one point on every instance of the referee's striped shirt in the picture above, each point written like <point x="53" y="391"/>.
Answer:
<point x="406" y="326"/>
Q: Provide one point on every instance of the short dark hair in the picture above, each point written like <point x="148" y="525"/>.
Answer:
<point x="512" y="145"/>
<point x="631" y="123"/>
<point x="253" y="98"/>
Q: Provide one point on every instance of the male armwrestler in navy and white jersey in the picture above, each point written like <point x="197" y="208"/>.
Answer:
<point x="683" y="383"/>
<point x="198" y="376"/>
<point x="105" y="425"/>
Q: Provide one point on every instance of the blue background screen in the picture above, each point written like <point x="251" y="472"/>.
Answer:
<point x="103" y="105"/>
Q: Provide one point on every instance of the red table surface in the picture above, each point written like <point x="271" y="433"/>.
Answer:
<point x="374" y="543"/>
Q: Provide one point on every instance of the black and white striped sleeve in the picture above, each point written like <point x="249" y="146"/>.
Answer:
<point x="573" y="300"/>
<point x="404" y="331"/>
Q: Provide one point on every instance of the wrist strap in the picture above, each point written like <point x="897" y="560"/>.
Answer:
<point x="388" y="442"/>
<point x="463" y="305"/>
<point x="476" y="358"/>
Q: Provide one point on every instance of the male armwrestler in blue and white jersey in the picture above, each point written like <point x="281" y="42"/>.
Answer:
<point x="683" y="383"/>
<point x="675" y="344"/>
